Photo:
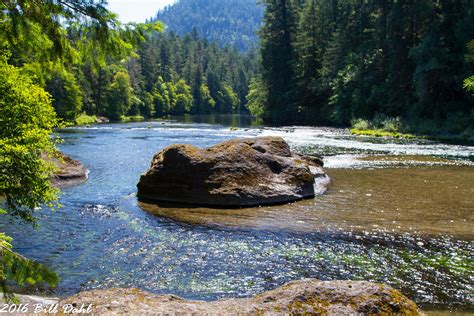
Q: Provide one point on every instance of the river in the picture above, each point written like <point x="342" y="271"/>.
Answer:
<point x="397" y="211"/>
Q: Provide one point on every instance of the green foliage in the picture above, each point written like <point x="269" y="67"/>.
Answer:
<point x="277" y="52"/>
<point x="380" y="126"/>
<point x="84" y="119"/>
<point x="27" y="119"/>
<point x="330" y="62"/>
<point x="165" y="73"/>
<point x="228" y="99"/>
<point x="119" y="96"/>
<point x="206" y="101"/>
<point x="66" y="93"/>
<point x="257" y="97"/>
<point x="380" y="133"/>
<point x="66" y="46"/>
<point x="20" y="270"/>
<point x="469" y="81"/>
<point x="228" y="23"/>
<point x="361" y="124"/>
<point x="194" y="62"/>
<point x="37" y="26"/>
<point x="184" y="98"/>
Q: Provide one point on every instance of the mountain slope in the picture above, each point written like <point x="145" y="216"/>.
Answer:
<point x="227" y="22"/>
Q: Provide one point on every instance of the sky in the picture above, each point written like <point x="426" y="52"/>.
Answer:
<point x="136" y="10"/>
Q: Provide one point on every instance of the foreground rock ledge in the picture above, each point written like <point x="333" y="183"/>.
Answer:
<point x="307" y="296"/>
<point x="236" y="173"/>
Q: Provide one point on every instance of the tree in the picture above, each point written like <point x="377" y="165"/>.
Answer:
<point x="230" y="23"/>
<point x="184" y="98"/>
<point x="37" y="26"/>
<point x="27" y="119"/>
<point x="66" y="93"/>
<point x="309" y="53"/>
<point x="277" y="35"/>
<point x="257" y="97"/>
<point x="228" y="99"/>
<point x="119" y="96"/>
<point x="206" y="102"/>
<point x="365" y="59"/>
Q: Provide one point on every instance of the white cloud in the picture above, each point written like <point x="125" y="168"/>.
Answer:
<point x="137" y="10"/>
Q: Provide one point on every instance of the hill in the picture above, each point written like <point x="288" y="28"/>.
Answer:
<point x="226" y="22"/>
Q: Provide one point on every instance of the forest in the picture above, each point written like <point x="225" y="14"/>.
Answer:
<point x="149" y="76"/>
<point x="231" y="23"/>
<point x="187" y="74"/>
<point x="396" y="65"/>
<point x="165" y="75"/>
<point x="393" y="64"/>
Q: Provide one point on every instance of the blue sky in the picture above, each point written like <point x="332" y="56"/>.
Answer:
<point x="136" y="10"/>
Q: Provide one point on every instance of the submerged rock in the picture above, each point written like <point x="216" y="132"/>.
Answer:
<point x="303" y="297"/>
<point x="236" y="173"/>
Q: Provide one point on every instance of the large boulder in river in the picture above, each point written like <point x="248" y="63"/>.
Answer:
<point x="236" y="173"/>
<point x="305" y="297"/>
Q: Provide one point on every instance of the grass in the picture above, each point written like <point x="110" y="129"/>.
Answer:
<point x="380" y="126"/>
<point x="381" y="133"/>
<point x="456" y="128"/>
<point x="85" y="119"/>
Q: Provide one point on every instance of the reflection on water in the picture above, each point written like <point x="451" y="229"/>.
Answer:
<point x="225" y="120"/>
<point x="402" y="220"/>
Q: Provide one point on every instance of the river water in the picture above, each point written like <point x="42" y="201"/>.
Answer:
<point x="397" y="211"/>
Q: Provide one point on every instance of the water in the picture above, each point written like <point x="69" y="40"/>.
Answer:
<point x="397" y="211"/>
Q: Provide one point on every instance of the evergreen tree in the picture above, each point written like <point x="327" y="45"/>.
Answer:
<point x="228" y="23"/>
<point x="277" y="36"/>
<point x="365" y="59"/>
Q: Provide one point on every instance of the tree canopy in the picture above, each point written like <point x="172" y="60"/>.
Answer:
<point x="230" y="23"/>
<point x="331" y="62"/>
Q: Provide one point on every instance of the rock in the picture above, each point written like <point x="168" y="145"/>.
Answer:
<point x="236" y="173"/>
<point x="102" y="119"/>
<point x="305" y="297"/>
<point x="69" y="171"/>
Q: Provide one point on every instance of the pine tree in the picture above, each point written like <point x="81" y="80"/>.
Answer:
<point x="309" y="56"/>
<point x="277" y="36"/>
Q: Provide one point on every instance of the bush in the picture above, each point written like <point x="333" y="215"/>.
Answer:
<point x="84" y="119"/>
<point x="361" y="124"/>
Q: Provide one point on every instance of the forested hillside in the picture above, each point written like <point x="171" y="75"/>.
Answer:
<point x="392" y="62"/>
<point x="166" y="74"/>
<point x="227" y="22"/>
<point x="177" y="75"/>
